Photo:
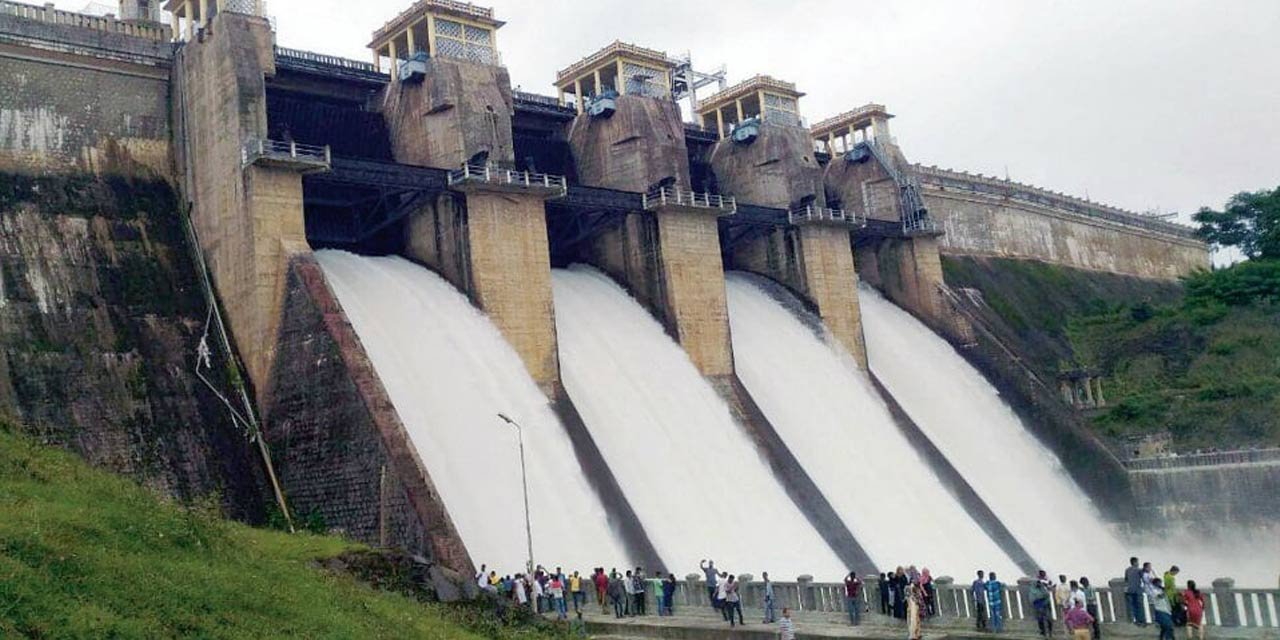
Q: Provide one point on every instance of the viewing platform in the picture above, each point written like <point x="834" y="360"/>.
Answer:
<point x="671" y="197"/>
<point x="490" y="178"/>
<point x="813" y="214"/>
<point x="304" y="158"/>
<point x="763" y="97"/>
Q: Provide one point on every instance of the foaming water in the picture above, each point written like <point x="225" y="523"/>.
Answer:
<point x="841" y="431"/>
<point x="1020" y="479"/>
<point x="692" y="474"/>
<point x="448" y="372"/>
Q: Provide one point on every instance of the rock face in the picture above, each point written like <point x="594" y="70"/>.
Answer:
<point x="100" y="315"/>
<point x="639" y="146"/>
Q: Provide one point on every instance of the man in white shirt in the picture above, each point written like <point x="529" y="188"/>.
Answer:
<point x="518" y="585"/>
<point x="720" y="595"/>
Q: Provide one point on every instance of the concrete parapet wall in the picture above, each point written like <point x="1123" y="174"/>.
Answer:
<point x="1227" y="495"/>
<point x="63" y="112"/>
<point x="339" y="446"/>
<point x="249" y="219"/>
<point x="1075" y="234"/>
<point x="640" y="145"/>
<point x="459" y="110"/>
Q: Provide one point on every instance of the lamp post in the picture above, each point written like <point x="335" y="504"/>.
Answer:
<point x="524" y="479"/>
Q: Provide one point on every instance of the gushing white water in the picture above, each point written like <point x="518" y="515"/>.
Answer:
<point x="449" y="372"/>
<point x="841" y="431"/>
<point x="691" y="472"/>
<point x="1022" y="481"/>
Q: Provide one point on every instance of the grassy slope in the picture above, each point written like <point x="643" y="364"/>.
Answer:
<point x="85" y="554"/>
<point x="1210" y="376"/>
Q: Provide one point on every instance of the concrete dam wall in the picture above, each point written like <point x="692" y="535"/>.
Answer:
<point x="624" y="389"/>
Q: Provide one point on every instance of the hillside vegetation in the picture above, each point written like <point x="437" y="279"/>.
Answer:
<point x="86" y="554"/>
<point x="1198" y="359"/>
<point x="1207" y="369"/>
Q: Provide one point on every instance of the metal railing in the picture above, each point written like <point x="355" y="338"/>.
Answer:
<point x="320" y="58"/>
<point x="1210" y="459"/>
<point x="287" y="152"/>
<point x="536" y="98"/>
<point x="672" y="196"/>
<point x="814" y="213"/>
<point x="489" y="174"/>
<point x="48" y="14"/>
<point x="1225" y="605"/>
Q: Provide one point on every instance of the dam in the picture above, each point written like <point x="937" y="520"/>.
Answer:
<point x="503" y="328"/>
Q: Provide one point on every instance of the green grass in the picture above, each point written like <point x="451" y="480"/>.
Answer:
<point x="86" y="554"/>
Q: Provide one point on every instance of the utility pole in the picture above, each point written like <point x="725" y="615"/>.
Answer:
<point x="524" y="480"/>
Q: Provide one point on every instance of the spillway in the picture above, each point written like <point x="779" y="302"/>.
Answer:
<point x="692" y="474"/>
<point x="843" y="434"/>
<point x="449" y="371"/>
<point x="1022" y="480"/>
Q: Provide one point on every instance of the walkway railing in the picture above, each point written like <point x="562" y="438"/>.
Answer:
<point x="320" y="58"/>
<point x="1212" y="459"/>
<point x="285" y="153"/>
<point x="50" y="15"/>
<point x="813" y="213"/>
<point x="1225" y="605"/>
<point x="672" y="196"/>
<point x="489" y="174"/>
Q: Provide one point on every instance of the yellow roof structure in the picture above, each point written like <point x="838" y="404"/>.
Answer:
<point x="859" y="118"/>
<point x="452" y="8"/>
<point x="609" y="54"/>
<point x="746" y="88"/>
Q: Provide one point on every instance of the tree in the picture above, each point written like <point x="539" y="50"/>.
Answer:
<point x="1250" y="221"/>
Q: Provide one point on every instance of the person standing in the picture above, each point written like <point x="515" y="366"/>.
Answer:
<point x="638" y="587"/>
<point x="853" y="598"/>
<point x="520" y="589"/>
<point x="629" y="590"/>
<point x="928" y="593"/>
<point x="915" y="609"/>
<point x="786" y="628"/>
<point x="978" y="593"/>
<point x="898" y="588"/>
<point x="1160" y="607"/>
<point x="1193" y="600"/>
<point x="709" y="570"/>
<point x="1134" y="592"/>
<point x="1091" y="605"/>
<point x="1062" y="593"/>
<point x="617" y="593"/>
<point x="720" y="595"/>
<point x="659" y="594"/>
<point x="576" y="591"/>
<point x="555" y="590"/>
<point x="1042" y="602"/>
<point x="602" y="589"/>
<point x="1175" y="599"/>
<point x="732" y="601"/>
<point x="769" y="616"/>
<point x="1077" y="620"/>
<point x="995" y="603"/>
<point x="669" y="594"/>
<point x="886" y="606"/>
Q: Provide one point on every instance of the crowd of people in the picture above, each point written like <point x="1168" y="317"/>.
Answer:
<point x="906" y="594"/>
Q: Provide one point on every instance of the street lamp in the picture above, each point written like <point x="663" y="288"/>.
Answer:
<point x="524" y="479"/>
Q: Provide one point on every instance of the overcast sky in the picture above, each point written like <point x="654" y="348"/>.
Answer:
<point x="1144" y="104"/>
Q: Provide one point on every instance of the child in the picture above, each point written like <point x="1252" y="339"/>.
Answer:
<point x="786" y="628"/>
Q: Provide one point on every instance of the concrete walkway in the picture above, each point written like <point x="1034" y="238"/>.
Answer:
<point x="706" y="624"/>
